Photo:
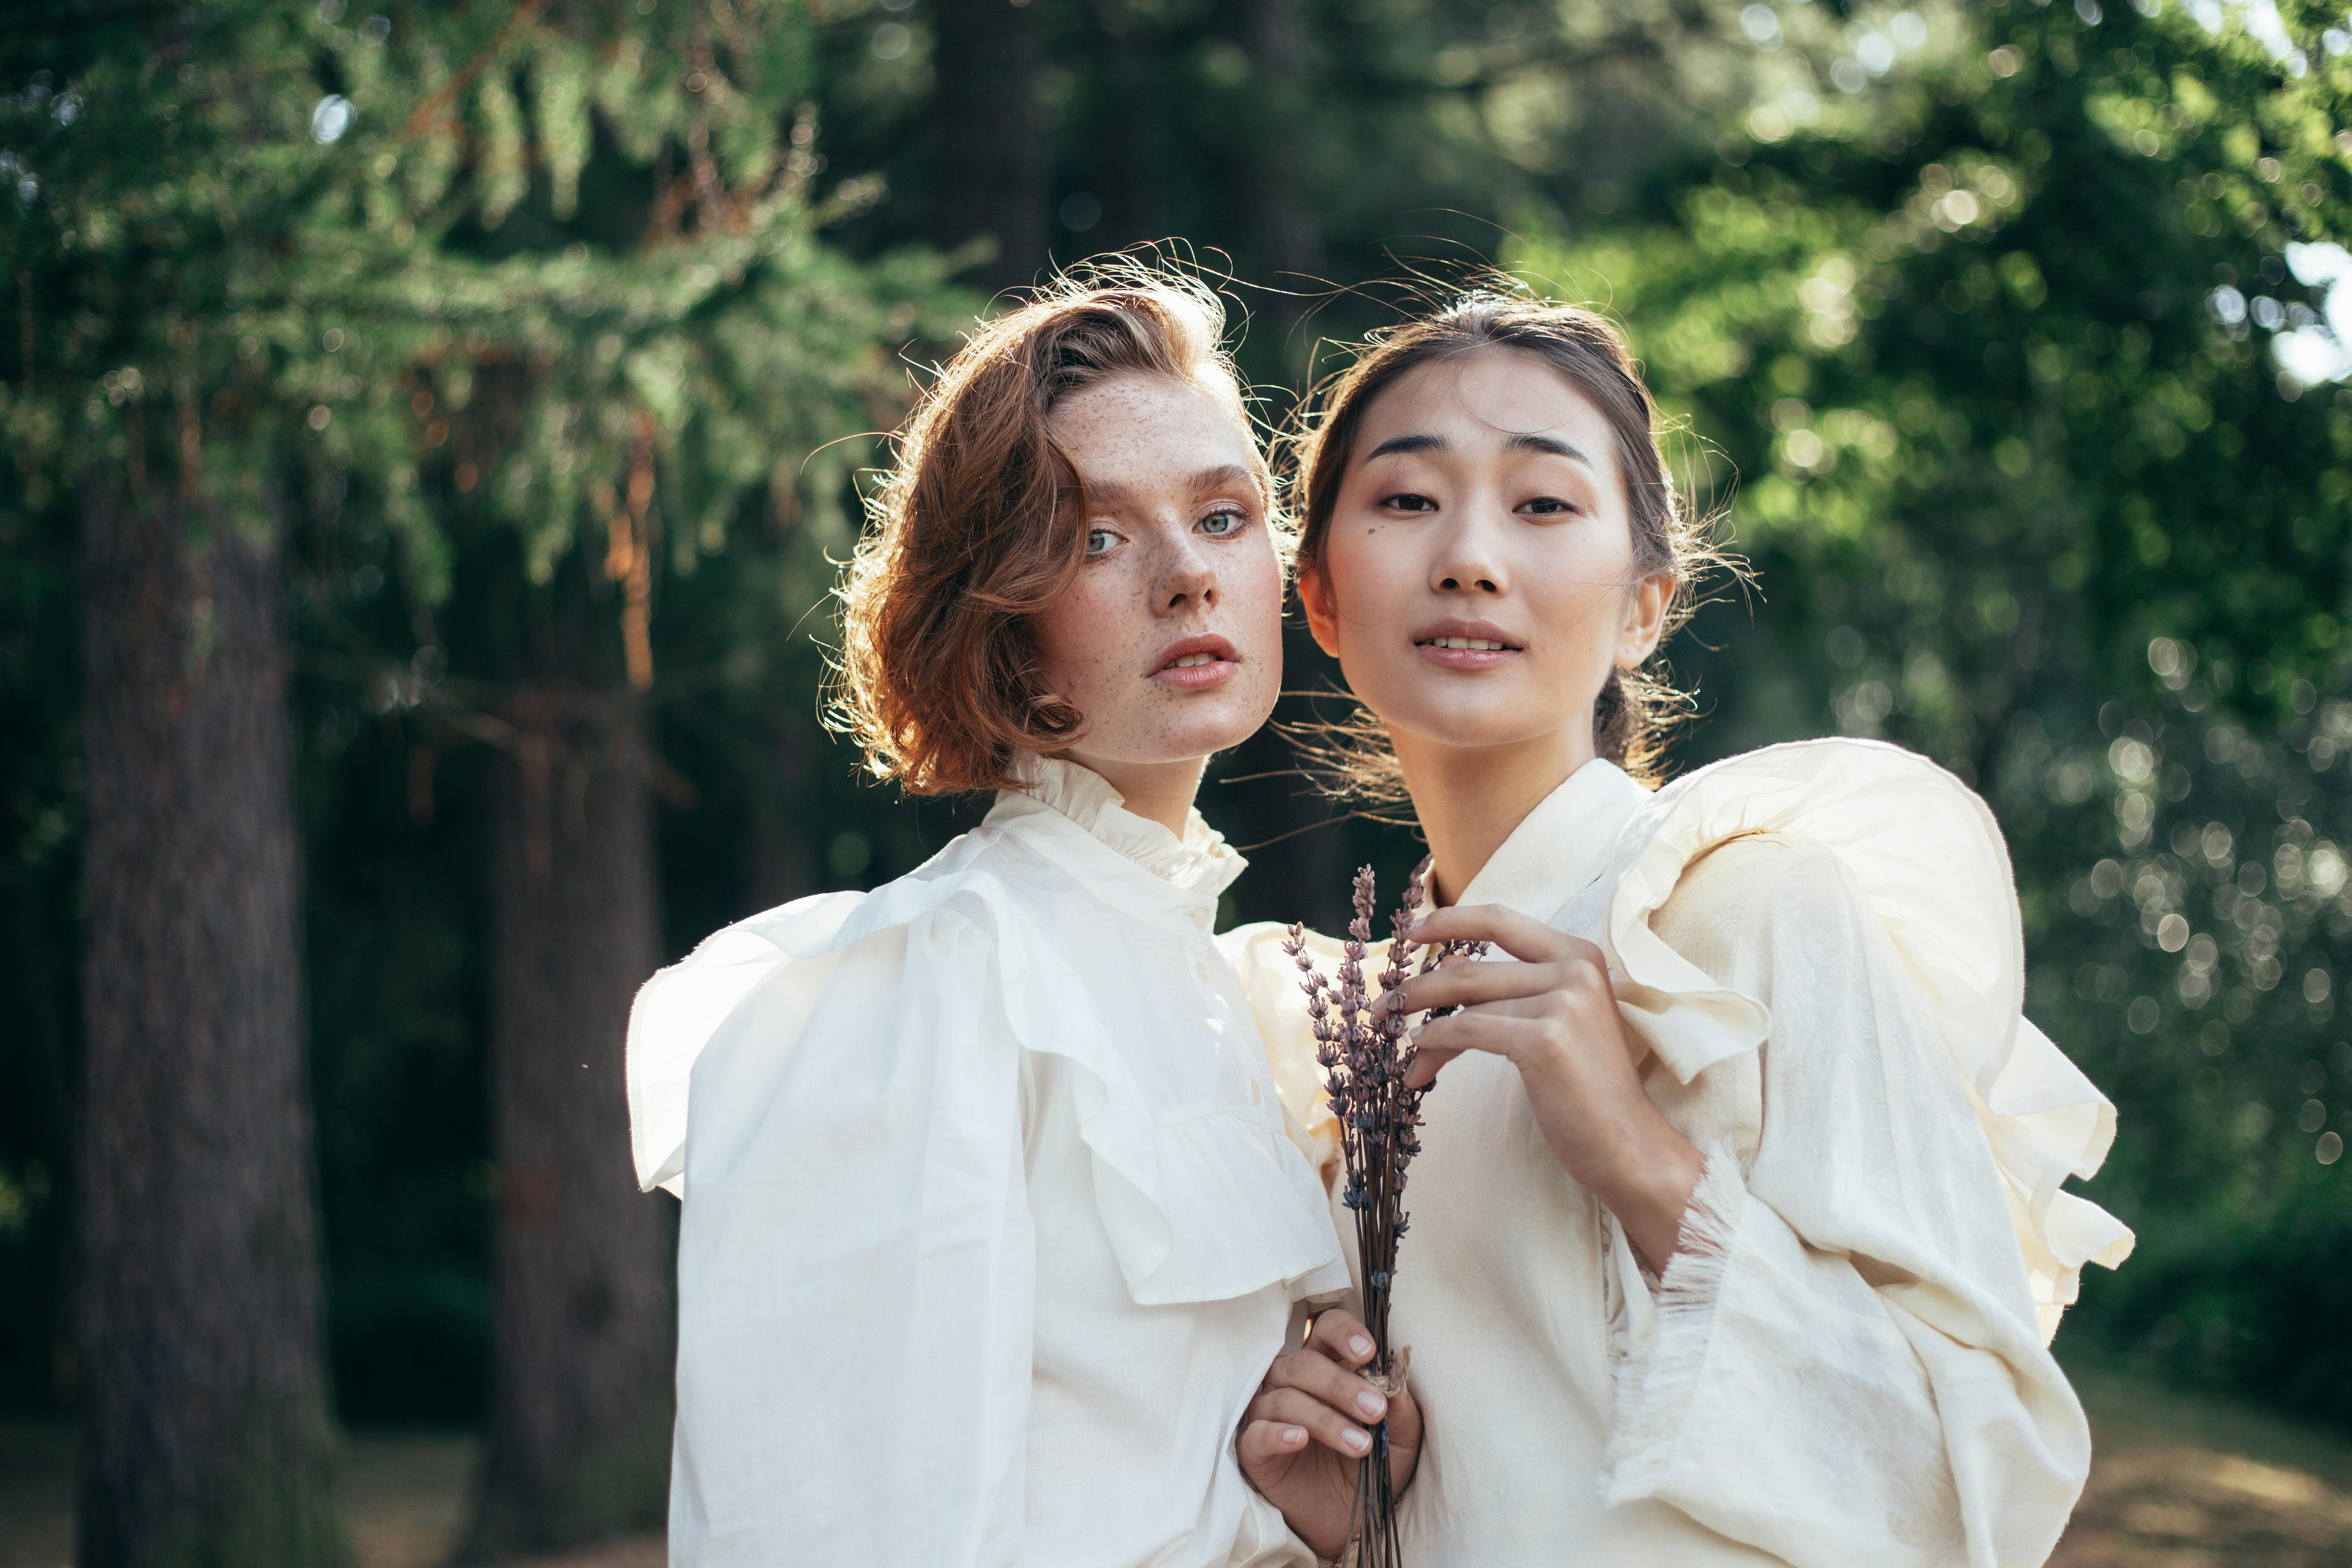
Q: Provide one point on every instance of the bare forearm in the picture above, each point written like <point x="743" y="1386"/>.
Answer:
<point x="1640" y="1165"/>
<point x="1650" y="1189"/>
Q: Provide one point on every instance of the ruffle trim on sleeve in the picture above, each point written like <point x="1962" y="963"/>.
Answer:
<point x="1662" y="1373"/>
<point x="1929" y="858"/>
<point x="1190" y="1205"/>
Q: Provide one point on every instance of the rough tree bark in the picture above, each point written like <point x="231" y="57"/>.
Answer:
<point x="206" y="1434"/>
<point x="987" y="172"/>
<point x="1289" y="235"/>
<point x="584" y="1329"/>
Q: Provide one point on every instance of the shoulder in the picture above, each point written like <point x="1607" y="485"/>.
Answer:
<point x="1751" y="903"/>
<point x="965" y="880"/>
<point x="1840" y="792"/>
<point x="1790" y="852"/>
<point x="1818" y="826"/>
<point x="741" y="998"/>
<point x="1771" y="869"/>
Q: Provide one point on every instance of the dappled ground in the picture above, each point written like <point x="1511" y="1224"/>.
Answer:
<point x="2180" y="1482"/>
<point x="404" y="1499"/>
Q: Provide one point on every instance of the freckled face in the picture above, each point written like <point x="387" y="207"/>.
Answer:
<point x="1477" y="581"/>
<point x="1170" y="639"/>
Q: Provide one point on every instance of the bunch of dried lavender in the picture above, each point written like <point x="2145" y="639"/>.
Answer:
<point x="1361" y="1045"/>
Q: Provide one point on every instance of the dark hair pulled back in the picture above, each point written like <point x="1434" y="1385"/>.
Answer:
<point x="1636" y="711"/>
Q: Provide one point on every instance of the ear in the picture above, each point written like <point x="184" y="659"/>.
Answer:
<point x="1314" y="598"/>
<point x="1645" y="619"/>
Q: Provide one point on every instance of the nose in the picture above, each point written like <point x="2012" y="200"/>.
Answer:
<point x="1187" y="579"/>
<point x="1469" y="556"/>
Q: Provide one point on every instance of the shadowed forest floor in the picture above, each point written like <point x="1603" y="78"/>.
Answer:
<point x="2180" y="1481"/>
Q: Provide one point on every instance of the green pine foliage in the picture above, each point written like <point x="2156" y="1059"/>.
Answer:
<point x="1978" y="360"/>
<point x="489" y="292"/>
<point x="1969" y="312"/>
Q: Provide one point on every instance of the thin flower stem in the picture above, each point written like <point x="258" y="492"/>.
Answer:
<point x="1363" y="1045"/>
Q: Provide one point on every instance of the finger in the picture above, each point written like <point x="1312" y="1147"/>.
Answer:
<point x="1328" y="1382"/>
<point x="1525" y="938"/>
<point x="1294" y="1407"/>
<point x="1341" y="1335"/>
<point x="1427" y="1062"/>
<point x="1266" y="1446"/>
<point x="1497" y="1034"/>
<point x="1458" y="984"/>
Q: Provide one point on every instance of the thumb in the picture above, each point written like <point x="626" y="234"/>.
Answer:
<point x="1266" y="1450"/>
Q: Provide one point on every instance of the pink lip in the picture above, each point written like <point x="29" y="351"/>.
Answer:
<point x="1224" y="663"/>
<point x="1468" y="659"/>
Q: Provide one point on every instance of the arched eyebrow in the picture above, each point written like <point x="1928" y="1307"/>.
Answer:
<point x="1519" y="441"/>
<point x="1224" y="477"/>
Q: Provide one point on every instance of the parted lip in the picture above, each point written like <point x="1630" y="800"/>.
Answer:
<point x="1455" y="628"/>
<point x="1185" y="647"/>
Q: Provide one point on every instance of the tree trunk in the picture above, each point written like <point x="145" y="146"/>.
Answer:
<point x="784" y="850"/>
<point x="206" y="1439"/>
<point x="584" y="1331"/>
<point x="987" y="172"/>
<point x="1289" y="235"/>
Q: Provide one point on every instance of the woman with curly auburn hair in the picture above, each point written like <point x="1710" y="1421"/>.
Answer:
<point x="993" y="1222"/>
<point x="1736" y="1231"/>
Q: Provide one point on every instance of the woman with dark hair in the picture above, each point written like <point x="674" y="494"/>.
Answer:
<point x="1736" y="1230"/>
<point x="992" y="1219"/>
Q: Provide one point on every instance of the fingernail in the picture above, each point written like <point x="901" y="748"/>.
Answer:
<point x="1357" y="1442"/>
<point x="1293" y="1436"/>
<point x="1360" y="1345"/>
<point x="1370" y="1404"/>
<point x="1414" y="1035"/>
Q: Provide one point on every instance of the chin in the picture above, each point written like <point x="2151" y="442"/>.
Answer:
<point x="1197" y="732"/>
<point x="1452" y="727"/>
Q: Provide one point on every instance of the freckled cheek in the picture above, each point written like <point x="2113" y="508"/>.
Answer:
<point x="1083" y="632"/>
<point x="1256" y="598"/>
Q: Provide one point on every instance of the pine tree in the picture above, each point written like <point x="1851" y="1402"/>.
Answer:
<point x="302" y="275"/>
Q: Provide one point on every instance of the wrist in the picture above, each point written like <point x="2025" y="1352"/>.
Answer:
<point x="1646" y="1181"/>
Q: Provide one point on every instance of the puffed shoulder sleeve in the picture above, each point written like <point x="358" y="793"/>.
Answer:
<point x="855" y="1255"/>
<point x="1929" y="863"/>
<point x="1845" y="1360"/>
<point x="776" y="963"/>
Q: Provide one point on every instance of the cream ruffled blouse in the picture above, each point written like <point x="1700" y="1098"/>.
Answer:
<point x="1817" y="951"/>
<point x="992" y="1222"/>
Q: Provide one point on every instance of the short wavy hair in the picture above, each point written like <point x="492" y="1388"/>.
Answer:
<point x="977" y="529"/>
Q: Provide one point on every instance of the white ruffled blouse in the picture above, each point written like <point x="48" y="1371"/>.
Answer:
<point x="992" y="1219"/>
<point x="1816" y="948"/>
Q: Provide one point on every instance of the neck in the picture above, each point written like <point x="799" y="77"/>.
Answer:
<point x="1157" y="791"/>
<point x="1468" y="799"/>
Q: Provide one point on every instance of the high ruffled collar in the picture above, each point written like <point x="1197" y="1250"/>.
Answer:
<point x="1200" y="863"/>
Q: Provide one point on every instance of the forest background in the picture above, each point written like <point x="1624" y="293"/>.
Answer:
<point x="429" y="435"/>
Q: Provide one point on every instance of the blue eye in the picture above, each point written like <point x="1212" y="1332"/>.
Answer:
<point x="1219" y="525"/>
<point x="1099" y="540"/>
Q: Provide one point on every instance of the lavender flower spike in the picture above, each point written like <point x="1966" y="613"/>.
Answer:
<point x="1363" y="1049"/>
